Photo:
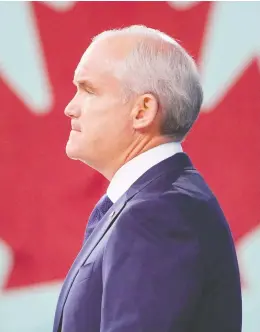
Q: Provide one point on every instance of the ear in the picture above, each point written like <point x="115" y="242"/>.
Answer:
<point x="145" y="111"/>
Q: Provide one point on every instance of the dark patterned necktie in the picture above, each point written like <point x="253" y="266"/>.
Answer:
<point x="102" y="206"/>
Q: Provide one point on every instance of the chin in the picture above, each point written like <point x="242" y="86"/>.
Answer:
<point x="72" y="151"/>
<point x="75" y="152"/>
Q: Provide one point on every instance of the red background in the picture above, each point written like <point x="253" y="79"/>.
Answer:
<point x="46" y="198"/>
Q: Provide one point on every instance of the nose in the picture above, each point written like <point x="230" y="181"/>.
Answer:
<point x="72" y="110"/>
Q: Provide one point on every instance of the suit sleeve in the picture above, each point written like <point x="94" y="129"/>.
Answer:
<point x="152" y="273"/>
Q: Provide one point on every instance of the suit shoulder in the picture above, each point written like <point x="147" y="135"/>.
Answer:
<point x="172" y="191"/>
<point x="183" y="201"/>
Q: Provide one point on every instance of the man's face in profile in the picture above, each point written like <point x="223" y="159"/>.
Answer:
<point x="100" y="119"/>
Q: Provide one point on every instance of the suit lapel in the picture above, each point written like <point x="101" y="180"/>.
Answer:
<point x="96" y="236"/>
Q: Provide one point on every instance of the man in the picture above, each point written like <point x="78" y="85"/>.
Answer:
<point x="158" y="255"/>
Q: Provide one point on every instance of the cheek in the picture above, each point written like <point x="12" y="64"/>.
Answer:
<point x="89" y="113"/>
<point x="95" y="112"/>
<point x="105" y="117"/>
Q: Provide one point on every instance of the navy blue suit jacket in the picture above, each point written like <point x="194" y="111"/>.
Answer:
<point x="162" y="259"/>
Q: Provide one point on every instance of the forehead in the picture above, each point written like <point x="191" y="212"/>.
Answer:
<point x="98" y="62"/>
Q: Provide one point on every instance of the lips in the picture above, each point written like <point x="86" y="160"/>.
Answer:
<point x="75" y="127"/>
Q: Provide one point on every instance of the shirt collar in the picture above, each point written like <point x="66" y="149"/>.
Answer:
<point x="136" y="167"/>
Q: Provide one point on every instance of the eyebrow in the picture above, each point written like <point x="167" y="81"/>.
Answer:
<point x="85" y="83"/>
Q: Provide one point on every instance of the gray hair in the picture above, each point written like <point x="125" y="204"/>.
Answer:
<point x="164" y="69"/>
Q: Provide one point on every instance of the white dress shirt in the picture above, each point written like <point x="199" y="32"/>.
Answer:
<point x="136" y="167"/>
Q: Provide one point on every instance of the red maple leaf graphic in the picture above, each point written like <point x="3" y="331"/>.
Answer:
<point x="225" y="147"/>
<point x="46" y="198"/>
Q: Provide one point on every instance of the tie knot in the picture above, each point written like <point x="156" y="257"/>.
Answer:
<point x="101" y="208"/>
<point x="104" y="204"/>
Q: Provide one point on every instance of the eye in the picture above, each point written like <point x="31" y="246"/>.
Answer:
<point x="84" y="88"/>
<point x="88" y="91"/>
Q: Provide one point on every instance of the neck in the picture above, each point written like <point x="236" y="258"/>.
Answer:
<point x="136" y="148"/>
